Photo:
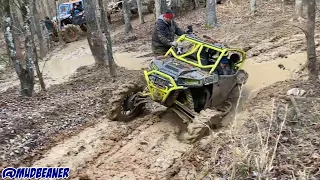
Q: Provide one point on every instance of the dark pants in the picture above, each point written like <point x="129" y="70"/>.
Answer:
<point x="159" y="51"/>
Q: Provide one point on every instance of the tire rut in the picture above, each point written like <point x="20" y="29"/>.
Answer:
<point x="79" y="151"/>
<point x="147" y="153"/>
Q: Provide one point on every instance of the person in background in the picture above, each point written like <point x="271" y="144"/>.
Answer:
<point x="49" y="25"/>
<point x="163" y="35"/>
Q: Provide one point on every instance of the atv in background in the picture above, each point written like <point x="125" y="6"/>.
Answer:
<point x="70" y="20"/>
<point x="187" y="80"/>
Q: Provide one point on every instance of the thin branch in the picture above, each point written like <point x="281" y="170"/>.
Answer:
<point x="303" y="30"/>
<point x="278" y="139"/>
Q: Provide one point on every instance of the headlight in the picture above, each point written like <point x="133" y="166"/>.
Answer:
<point x="153" y="66"/>
<point x="189" y="81"/>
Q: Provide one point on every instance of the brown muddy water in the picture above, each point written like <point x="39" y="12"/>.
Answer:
<point x="61" y="66"/>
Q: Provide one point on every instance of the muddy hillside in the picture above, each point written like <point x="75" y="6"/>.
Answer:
<point x="268" y="134"/>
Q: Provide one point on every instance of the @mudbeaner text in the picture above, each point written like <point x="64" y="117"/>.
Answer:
<point x="35" y="173"/>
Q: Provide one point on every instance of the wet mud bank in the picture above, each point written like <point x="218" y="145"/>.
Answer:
<point x="30" y="125"/>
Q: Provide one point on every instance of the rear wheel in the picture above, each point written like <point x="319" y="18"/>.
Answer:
<point x="122" y="103"/>
<point x="204" y="121"/>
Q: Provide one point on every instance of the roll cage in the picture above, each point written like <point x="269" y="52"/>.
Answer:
<point x="197" y="51"/>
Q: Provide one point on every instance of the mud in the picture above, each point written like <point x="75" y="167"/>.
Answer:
<point x="30" y="125"/>
<point x="148" y="147"/>
<point x="67" y="126"/>
<point x="245" y="148"/>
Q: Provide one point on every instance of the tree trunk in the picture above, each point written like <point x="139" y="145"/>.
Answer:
<point x="36" y="23"/>
<point x="109" y="57"/>
<point x="17" y="30"/>
<point x="157" y="7"/>
<point x="25" y="75"/>
<point x="196" y="3"/>
<point x="126" y="16"/>
<point x="164" y="6"/>
<point x="94" y="34"/>
<point x="40" y="38"/>
<point x="311" y="49"/>
<point x="298" y="8"/>
<point x="253" y="6"/>
<point x="211" y="13"/>
<point x="58" y="21"/>
<point x="29" y="81"/>
<point x="140" y="12"/>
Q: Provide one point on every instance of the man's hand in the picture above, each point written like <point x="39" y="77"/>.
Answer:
<point x="174" y="43"/>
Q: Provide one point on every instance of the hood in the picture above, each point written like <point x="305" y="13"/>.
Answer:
<point x="64" y="16"/>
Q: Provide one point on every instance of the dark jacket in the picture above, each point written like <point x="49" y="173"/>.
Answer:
<point x="163" y="33"/>
<point x="49" y="25"/>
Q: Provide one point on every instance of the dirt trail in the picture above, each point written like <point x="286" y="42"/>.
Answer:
<point x="147" y="147"/>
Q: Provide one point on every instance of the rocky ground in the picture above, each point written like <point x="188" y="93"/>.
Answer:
<point x="66" y="126"/>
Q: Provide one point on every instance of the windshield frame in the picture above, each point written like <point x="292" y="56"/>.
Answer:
<point x="62" y="6"/>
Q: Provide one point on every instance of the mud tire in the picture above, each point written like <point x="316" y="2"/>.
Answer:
<point x="70" y="33"/>
<point x="119" y="97"/>
<point x="84" y="27"/>
<point x="200" y="125"/>
<point x="203" y="122"/>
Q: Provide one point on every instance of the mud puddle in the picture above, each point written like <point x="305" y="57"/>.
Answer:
<point x="265" y="74"/>
<point x="63" y="64"/>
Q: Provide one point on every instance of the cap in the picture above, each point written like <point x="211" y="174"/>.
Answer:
<point x="168" y="14"/>
<point x="224" y="60"/>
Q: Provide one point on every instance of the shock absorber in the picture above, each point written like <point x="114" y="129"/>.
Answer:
<point x="189" y="99"/>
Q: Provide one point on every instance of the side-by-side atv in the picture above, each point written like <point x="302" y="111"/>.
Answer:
<point x="189" y="82"/>
<point x="70" y="21"/>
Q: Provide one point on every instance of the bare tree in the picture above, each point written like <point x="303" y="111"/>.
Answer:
<point x="126" y="16"/>
<point x="160" y="7"/>
<point x="30" y="56"/>
<point x="26" y="76"/>
<point x="164" y="6"/>
<point x="141" y="18"/>
<point x="17" y="29"/>
<point x="211" y="14"/>
<point x="57" y="2"/>
<point x="196" y="4"/>
<point x="298" y="8"/>
<point x="157" y="4"/>
<point x="94" y="33"/>
<point x="36" y="24"/>
<point x="105" y="24"/>
<point x="311" y="49"/>
<point x="253" y="6"/>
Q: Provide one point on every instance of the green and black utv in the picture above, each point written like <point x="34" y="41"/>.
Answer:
<point x="187" y="82"/>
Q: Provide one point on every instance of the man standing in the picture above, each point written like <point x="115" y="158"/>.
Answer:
<point x="163" y="34"/>
<point x="49" y="25"/>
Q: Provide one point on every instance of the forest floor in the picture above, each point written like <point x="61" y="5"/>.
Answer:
<point x="67" y="124"/>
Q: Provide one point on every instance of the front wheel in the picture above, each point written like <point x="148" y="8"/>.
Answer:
<point x="83" y="27"/>
<point x="122" y="103"/>
<point x="70" y="33"/>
